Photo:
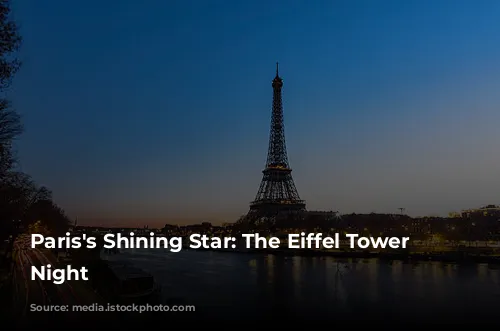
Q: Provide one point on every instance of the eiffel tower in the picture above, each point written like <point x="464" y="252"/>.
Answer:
<point x="277" y="194"/>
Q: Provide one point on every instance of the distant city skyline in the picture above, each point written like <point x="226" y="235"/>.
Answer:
<point x="160" y="113"/>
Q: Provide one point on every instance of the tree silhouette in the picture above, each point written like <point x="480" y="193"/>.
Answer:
<point x="10" y="41"/>
<point x="10" y="123"/>
<point x="22" y="201"/>
<point x="6" y="161"/>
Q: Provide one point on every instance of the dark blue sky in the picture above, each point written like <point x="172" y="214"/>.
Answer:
<point x="160" y="111"/>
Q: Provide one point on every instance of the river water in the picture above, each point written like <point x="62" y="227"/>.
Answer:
<point x="232" y="283"/>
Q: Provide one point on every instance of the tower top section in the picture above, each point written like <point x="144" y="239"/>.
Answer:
<point x="277" y="81"/>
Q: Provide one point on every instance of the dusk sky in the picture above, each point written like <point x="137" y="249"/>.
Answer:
<point x="159" y="111"/>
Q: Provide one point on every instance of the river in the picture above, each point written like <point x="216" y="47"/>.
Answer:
<point x="256" y="285"/>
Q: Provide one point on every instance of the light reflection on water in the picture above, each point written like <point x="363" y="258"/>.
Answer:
<point x="229" y="280"/>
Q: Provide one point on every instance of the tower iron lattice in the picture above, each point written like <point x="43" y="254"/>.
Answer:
<point x="277" y="193"/>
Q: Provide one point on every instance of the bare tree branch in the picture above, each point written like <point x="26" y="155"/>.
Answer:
<point x="10" y="123"/>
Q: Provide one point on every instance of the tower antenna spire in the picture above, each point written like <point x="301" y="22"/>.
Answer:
<point x="277" y="67"/>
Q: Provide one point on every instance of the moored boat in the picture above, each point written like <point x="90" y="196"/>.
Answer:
<point x="131" y="285"/>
